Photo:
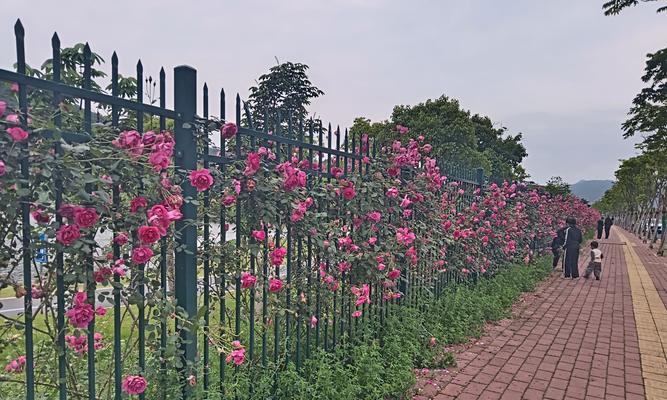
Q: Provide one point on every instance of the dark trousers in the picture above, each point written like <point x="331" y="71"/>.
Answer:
<point x="595" y="268"/>
<point x="600" y="233"/>
<point x="606" y="231"/>
<point x="571" y="258"/>
<point x="556" y="254"/>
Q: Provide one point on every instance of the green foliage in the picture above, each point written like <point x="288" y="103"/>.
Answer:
<point x="456" y="136"/>
<point x="648" y="115"/>
<point x="384" y="368"/>
<point x="614" y="7"/>
<point x="556" y="186"/>
<point x="286" y="90"/>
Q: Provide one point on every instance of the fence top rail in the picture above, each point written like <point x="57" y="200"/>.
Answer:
<point x="298" y="143"/>
<point x="72" y="91"/>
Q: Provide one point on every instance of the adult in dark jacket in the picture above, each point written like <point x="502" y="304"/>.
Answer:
<point x="573" y="239"/>
<point x="600" y="226"/>
<point x="607" y="226"/>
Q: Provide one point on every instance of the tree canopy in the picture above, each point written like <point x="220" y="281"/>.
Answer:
<point x="614" y="7"/>
<point x="284" y="91"/>
<point x="556" y="186"/>
<point x="457" y="136"/>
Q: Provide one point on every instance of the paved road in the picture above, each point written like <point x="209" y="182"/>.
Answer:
<point x="574" y="339"/>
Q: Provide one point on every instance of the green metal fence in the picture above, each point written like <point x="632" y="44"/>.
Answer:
<point x="206" y="270"/>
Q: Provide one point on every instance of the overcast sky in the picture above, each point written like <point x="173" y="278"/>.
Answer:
<point x="558" y="71"/>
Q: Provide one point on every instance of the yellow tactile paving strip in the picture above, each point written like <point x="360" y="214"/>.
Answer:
<point x="651" y="320"/>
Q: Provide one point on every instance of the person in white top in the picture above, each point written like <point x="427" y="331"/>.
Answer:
<point x="595" y="265"/>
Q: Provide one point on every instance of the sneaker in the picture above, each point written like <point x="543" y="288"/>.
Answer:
<point x="597" y="279"/>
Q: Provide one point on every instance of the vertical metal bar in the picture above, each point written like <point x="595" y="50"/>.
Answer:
<point x="163" y="256"/>
<point x="88" y="128"/>
<point x="288" y="293"/>
<point x="185" y="103"/>
<point x="142" y="267"/>
<point x="237" y="317"/>
<point x="345" y="146"/>
<point x="25" y="218"/>
<point x="207" y="251"/>
<point x="253" y="267"/>
<point x="222" y="289"/>
<point x="309" y="255"/>
<point x="276" y="317"/>
<point x="354" y="152"/>
<point x="265" y="294"/>
<point x="299" y="290"/>
<point x="60" y="281"/>
<point x="117" y="349"/>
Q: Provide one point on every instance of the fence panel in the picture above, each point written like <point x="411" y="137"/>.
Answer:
<point x="221" y="262"/>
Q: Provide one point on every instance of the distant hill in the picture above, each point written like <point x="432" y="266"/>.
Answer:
<point x="591" y="190"/>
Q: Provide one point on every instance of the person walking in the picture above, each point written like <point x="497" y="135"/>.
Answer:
<point x="600" y="226"/>
<point x="595" y="264"/>
<point x="608" y="222"/>
<point x="573" y="239"/>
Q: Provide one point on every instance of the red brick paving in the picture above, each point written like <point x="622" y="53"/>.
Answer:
<point x="574" y="339"/>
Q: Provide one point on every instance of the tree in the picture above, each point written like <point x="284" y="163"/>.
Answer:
<point x="283" y="92"/>
<point x="556" y="186"/>
<point x="504" y="152"/>
<point x="457" y="137"/>
<point x="648" y="115"/>
<point x="614" y="7"/>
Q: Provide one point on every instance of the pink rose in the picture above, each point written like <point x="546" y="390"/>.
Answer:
<point x="348" y="192"/>
<point x="259" y="235"/>
<point x="68" y="234"/>
<point x="137" y="203"/>
<point x="228" y="200"/>
<point x="248" y="280"/>
<point x="81" y="314"/>
<point x="17" y="133"/>
<point x="121" y="238"/>
<point x="12" y="119"/>
<point x="402" y="129"/>
<point x="238" y="354"/>
<point x="394" y="273"/>
<point x="85" y="217"/>
<point x="15" y="366"/>
<point x="159" y="160"/>
<point x="374" y="216"/>
<point x="41" y="216"/>
<point x="134" y="384"/>
<point x="141" y="255"/>
<point x="3" y="168"/>
<point x="275" y="285"/>
<point x="201" y="179"/>
<point x="278" y="255"/>
<point x="313" y="321"/>
<point x="252" y="164"/>
<point x="148" y="234"/>
<point x="3" y="107"/>
<point x="228" y="130"/>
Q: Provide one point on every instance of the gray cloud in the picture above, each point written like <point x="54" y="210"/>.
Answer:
<point x="558" y="71"/>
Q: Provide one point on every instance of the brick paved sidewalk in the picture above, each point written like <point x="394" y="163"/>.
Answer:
<point x="575" y="339"/>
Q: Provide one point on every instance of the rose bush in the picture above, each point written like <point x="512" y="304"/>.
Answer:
<point x="376" y="230"/>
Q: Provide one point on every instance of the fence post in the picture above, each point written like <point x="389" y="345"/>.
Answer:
<point x="185" y="282"/>
<point x="480" y="178"/>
